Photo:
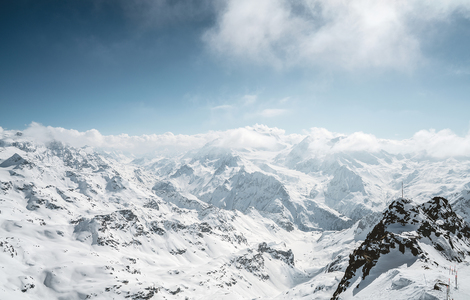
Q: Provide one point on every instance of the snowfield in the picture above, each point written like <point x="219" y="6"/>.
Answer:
<point x="284" y="218"/>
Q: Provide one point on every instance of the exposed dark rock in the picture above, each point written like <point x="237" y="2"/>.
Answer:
<point x="205" y="227"/>
<point x="172" y="225"/>
<point x="103" y="228"/>
<point x="178" y="290"/>
<point x="155" y="228"/>
<point x="253" y="263"/>
<point x="404" y="224"/>
<point x="143" y="295"/>
<point x="285" y="256"/>
<point x="8" y="248"/>
<point x="178" y="251"/>
<point x="152" y="204"/>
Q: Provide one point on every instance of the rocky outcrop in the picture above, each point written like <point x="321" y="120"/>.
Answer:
<point x="404" y="227"/>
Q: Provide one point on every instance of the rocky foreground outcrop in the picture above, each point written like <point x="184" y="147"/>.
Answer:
<point x="406" y="227"/>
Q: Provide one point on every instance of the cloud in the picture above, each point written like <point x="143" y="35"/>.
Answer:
<point x="167" y="142"/>
<point x="258" y="136"/>
<point x="358" y="141"/>
<point x="439" y="144"/>
<point x="346" y="34"/>
<point x="431" y="143"/>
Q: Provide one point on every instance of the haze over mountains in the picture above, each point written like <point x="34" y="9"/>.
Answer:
<point x="241" y="214"/>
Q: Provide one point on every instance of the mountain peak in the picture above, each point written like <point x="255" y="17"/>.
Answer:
<point x="15" y="160"/>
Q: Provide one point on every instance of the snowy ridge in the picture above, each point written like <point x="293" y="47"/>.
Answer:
<point x="411" y="230"/>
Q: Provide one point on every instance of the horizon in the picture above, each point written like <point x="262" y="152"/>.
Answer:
<point x="438" y="144"/>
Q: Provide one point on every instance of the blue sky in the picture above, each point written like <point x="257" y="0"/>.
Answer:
<point x="388" y="68"/>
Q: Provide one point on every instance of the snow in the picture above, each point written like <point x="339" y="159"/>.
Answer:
<point x="84" y="222"/>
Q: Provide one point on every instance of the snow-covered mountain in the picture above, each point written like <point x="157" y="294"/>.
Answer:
<point x="281" y="218"/>
<point x="430" y="235"/>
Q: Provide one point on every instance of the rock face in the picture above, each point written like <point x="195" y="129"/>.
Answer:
<point x="264" y="193"/>
<point x="16" y="160"/>
<point x="105" y="230"/>
<point x="341" y="191"/>
<point x="343" y="183"/>
<point x="285" y="256"/>
<point x="406" y="227"/>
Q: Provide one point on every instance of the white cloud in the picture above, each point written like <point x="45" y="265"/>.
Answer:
<point x="442" y="143"/>
<point x="346" y="34"/>
<point x="439" y="144"/>
<point x="134" y="144"/>
<point x="258" y="136"/>
<point x="358" y="141"/>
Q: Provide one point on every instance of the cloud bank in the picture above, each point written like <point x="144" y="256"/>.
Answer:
<point x="437" y="144"/>
<point x="258" y="136"/>
<point x="432" y="143"/>
<point x="346" y="34"/>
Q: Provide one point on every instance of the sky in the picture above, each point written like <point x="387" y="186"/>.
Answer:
<point x="141" y="67"/>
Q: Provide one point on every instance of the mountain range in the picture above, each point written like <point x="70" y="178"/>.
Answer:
<point x="284" y="219"/>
